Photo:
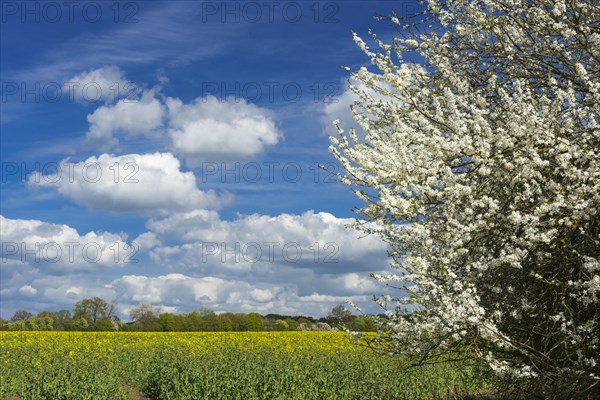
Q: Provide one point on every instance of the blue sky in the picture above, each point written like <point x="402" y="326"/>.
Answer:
<point x="140" y="128"/>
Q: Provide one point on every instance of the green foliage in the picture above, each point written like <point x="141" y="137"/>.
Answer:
<point x="166" y="322"/>
<point x="93" y="310"/>
<point x="40" y="323"/>
<point x="20" y="315"/>
<point x="96" y="314"/>
<point x="252" y="322"/>
<point x="281" y="325"/>
<point x="103" y="325"/>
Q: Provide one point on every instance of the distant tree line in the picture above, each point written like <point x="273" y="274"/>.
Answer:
<point x="96" y="314"/>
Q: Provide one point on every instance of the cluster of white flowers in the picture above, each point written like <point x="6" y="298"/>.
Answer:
<point x="481" y="170"/>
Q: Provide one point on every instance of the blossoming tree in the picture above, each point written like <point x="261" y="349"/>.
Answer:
<point x="480" y="168"/>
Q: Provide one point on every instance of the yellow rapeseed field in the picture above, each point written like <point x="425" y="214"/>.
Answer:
<point x="212" y="365"/>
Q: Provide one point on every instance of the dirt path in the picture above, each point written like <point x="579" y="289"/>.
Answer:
<point x="135" y="394"/>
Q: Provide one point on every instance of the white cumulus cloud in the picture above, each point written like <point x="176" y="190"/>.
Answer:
<point x="210" y="129"/>
<point x="105" y="84"/>
<point x="173" y="289"/>
<point x="141" y="116"/>
<point x="28" y="290"/>
<point x="152" y="183"/>
<point x="59" y="248"/>
<point x="322" y="240"/>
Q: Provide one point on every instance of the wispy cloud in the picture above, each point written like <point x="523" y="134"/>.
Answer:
<point x="166" y="34"/>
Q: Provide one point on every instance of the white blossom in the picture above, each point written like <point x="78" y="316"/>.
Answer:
<point x="487" y="176"/>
